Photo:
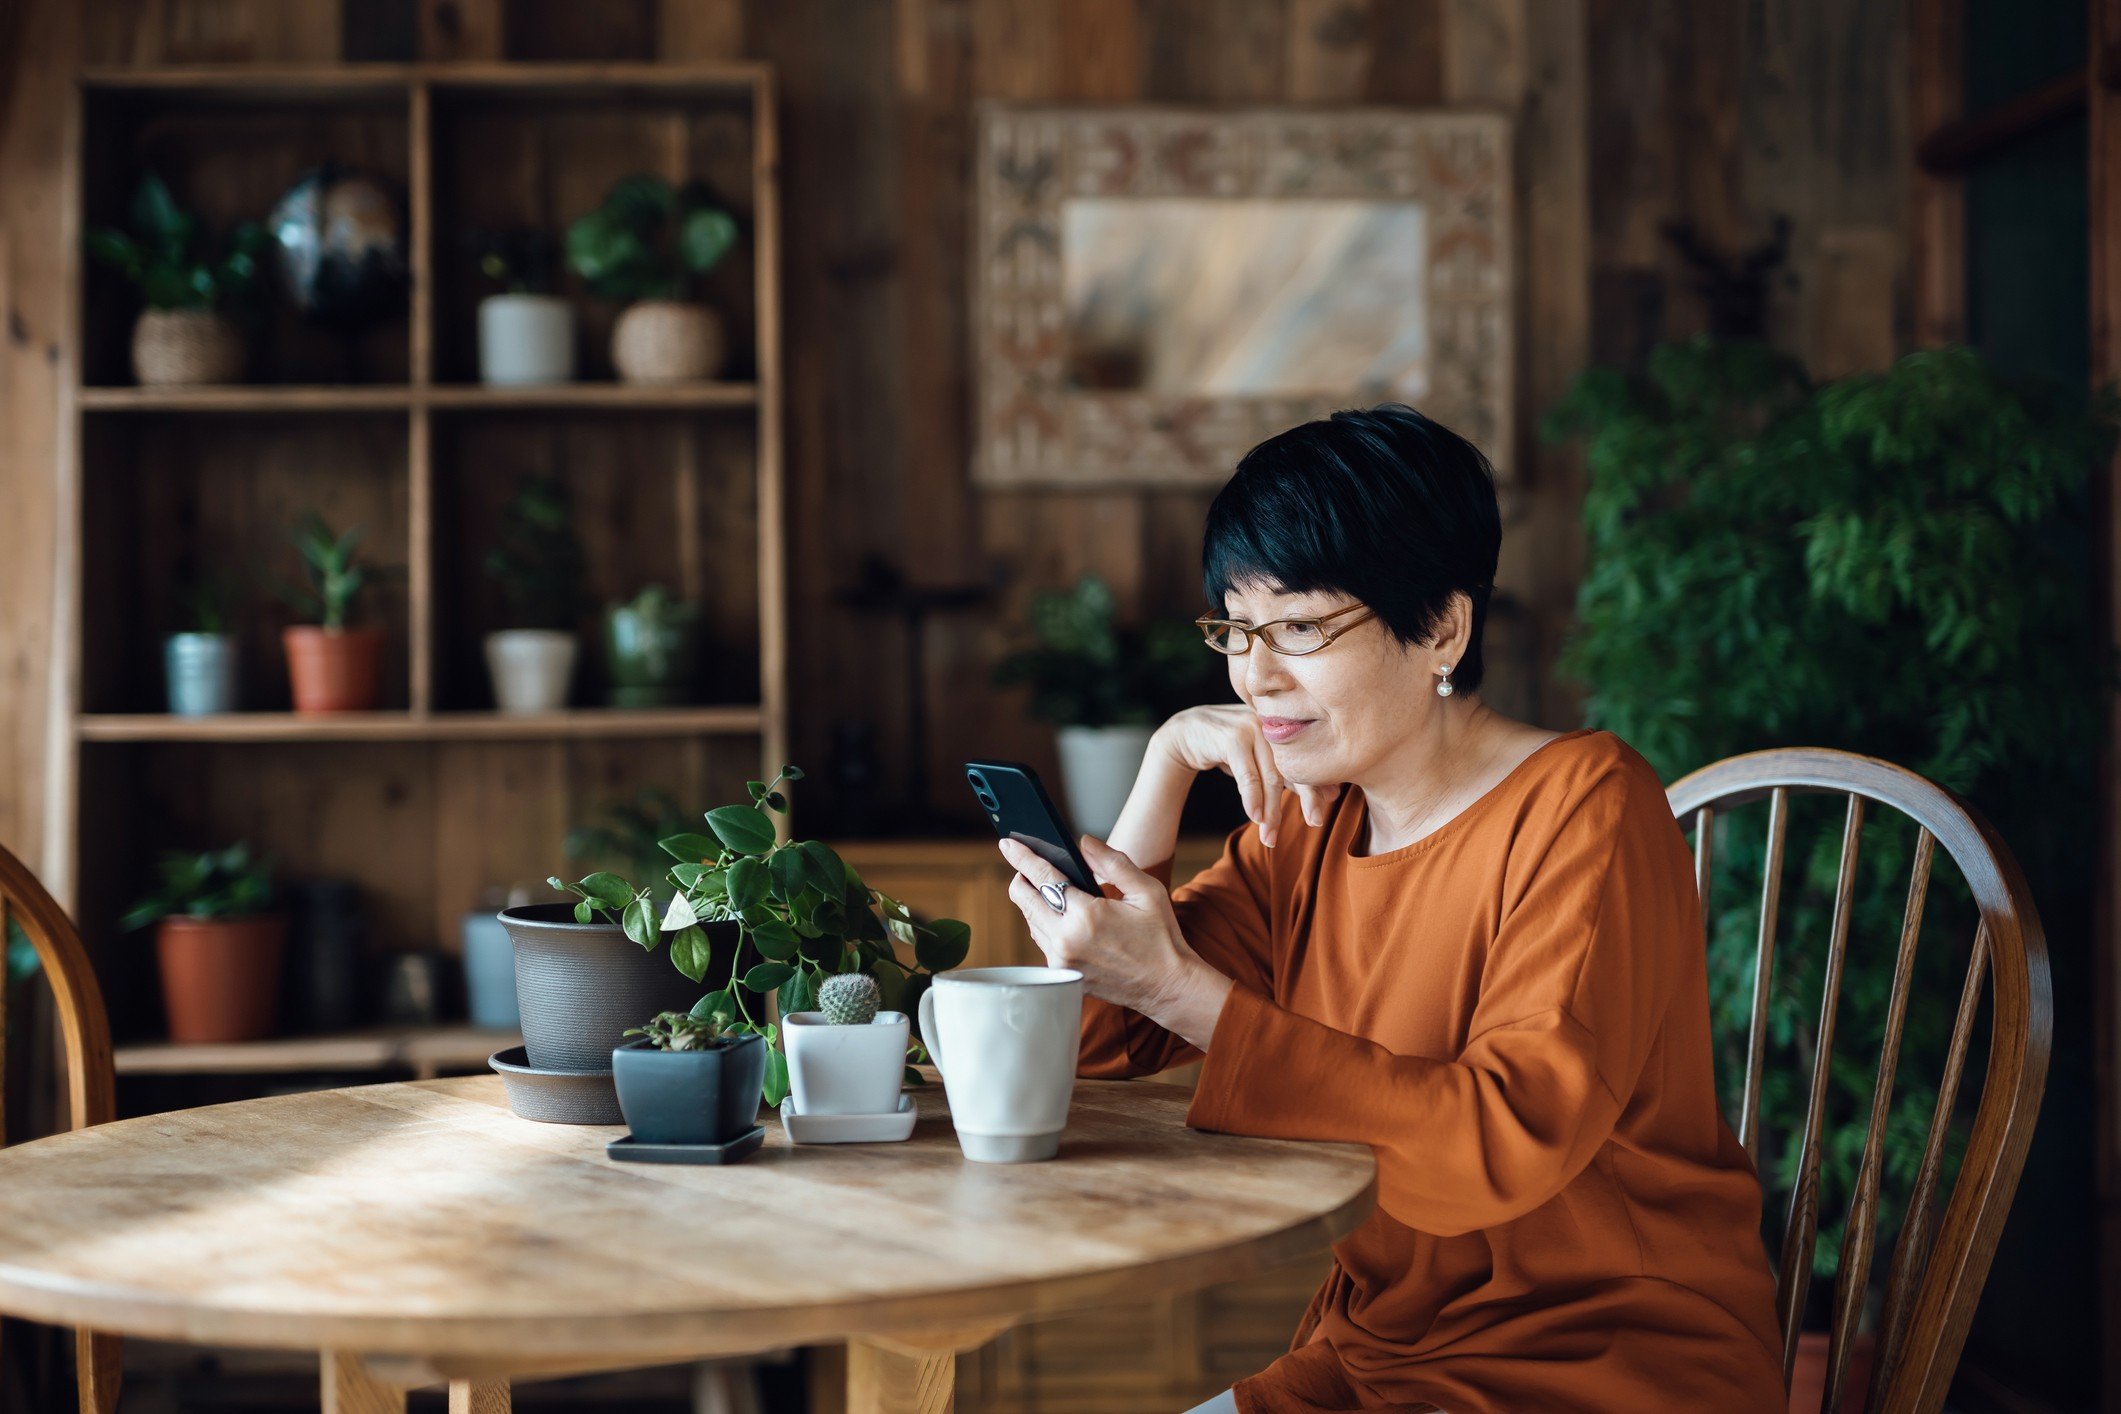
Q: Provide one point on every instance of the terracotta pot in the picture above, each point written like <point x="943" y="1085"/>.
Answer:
<point x="180" y="346"/>
<point x="1808" y="1374"/>
<point x="334" y="669"/>
<point x="667" y="341"/>
<point x="221" y="977"/>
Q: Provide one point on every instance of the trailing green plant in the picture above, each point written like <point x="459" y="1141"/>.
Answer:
<point x="176" y="263"/>
<point x="682" y="1031"/>
<point x="804" y="910"/>
<point x="221" y="883"/>
<point x="1084" y="669"/>
<point x="1893" y="564"/>
<point x="650" y="240"/>
<point x="522" y="260"/>
<point x="335" y="575"/>
<point x="537" y="556"/>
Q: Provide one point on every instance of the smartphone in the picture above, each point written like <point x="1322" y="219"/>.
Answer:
<point x="1016" y="802"/>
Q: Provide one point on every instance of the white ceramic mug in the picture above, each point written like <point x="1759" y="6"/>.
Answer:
<point x="1005" y="1040"/>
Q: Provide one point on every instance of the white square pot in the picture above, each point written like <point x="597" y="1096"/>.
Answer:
<point x="845" y="1070"/>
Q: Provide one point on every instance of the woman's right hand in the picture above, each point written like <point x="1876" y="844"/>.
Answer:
<point x="1226" y="737"/>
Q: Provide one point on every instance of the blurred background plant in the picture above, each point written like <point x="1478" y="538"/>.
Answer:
<point x="537" y="559"/>
<point x="1893" y="564"/>
<point x="1085" y="669"/>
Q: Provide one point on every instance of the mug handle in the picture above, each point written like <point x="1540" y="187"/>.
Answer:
<point x="935" y="1050"/>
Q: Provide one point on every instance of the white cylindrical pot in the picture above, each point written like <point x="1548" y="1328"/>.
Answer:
<point x="1098" y="767"/>
<point x="845" y="1070"/>
<point x="531" y="667"/>
<point x="526" y="339"/>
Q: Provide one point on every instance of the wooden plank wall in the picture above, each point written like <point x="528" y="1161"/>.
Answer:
<point x="1631" y="113"/>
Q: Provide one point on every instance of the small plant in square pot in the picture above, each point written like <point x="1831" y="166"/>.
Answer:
<point x="199" y="660"/>
<point x="815" y="926"/>
<point x="646" y="247"/>
<point x="652" y="649"/>
<point x="331" y="666"/>
<point x="690" y="1081"/>
<point x="526" y="332"/>
<point x="188" y="280"/>
<point x="537" y="565"/>
<point x="219" y="941"/>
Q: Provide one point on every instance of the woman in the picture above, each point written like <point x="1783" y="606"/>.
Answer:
<point x="1470" y="943"/>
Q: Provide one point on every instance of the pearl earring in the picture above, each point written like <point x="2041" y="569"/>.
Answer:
<point x="1443" y="684"/>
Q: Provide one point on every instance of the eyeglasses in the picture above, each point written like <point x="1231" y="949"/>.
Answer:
<point x="1292" y="638"/>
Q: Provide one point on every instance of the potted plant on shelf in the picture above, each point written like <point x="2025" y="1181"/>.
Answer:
<point x="1106" y="687"/>
<point x="645" y="247"/>
<point x="526" y="332"/>
<point x="331" y="667"/>
<point x="689" y="1080"/>
<point x="199" y="659"/>
<point x="652" y="649"/>
<point x="538" y="565"/>
<point x="219" y="942"/>
<point x="187" y="280"/>
<point x="812" y="921"/>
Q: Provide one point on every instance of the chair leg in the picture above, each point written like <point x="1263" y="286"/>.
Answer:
<point x="350" y="1389"/>
<point x="98" y="1365"/>
<point x="478" y="1397"/>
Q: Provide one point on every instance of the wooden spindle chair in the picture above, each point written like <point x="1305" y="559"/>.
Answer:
<point x="90" y="1081"/>
<point x="1938" y="1266"/>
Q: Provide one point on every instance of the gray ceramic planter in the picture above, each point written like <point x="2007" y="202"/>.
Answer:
<point x="201" y="672"/>
<point x="581" y="985"/>
<point x="690" y="1097"/>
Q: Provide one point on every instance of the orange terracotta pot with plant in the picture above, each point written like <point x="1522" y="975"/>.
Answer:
<point x="331" y="667"/>
<point x="219" y="943"/>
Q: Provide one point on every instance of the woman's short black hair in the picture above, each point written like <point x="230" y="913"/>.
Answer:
<point x="1382" y="505"/>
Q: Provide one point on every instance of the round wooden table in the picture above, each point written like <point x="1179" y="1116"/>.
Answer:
<point x="419" y="1234"/>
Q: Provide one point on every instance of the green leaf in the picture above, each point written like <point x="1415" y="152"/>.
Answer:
<point x="747" y="883"/>
<point x="584" y="911"/>
<point x="691" y="952"/>
<point x="608" y="889"/>
<point x="639" y="923"/>
<point x="914" y="1077"/>
<point x="943" y="945"/>
<point x="768" y="975"/>
<point x="705" y="237"/>
<point x="826" y="873"/>
<point x="790" y="871"/>
<point x="694" y="849"/>
<point x="775" y="1089"/>
<point x="909" y="998"/>
<point x="742" y="828"/>
<point x="688" y="876"/>
<point x="798" y="993"/>
<point x="711" y="1003"/>
<point x="774" y="939"/>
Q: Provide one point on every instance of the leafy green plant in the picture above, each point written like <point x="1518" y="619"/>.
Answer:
<point x="1894" y="564"/>
<point x="170" y="255"/>
<point x="537" y="557"/>
<point x="335" y="576"/>
<point x="521" y="260"/>
<point x="222" y="883"/>
<point x="649" y="240"/>
<point x="682" y="1031"/>
<point x="802" y="907"/>
<point x="1086" y="670"/>
<point x="203" y="602"/>
<point x="629" y="835"/>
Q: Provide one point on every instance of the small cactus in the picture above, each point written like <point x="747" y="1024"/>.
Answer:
<point x="849" y="999"/>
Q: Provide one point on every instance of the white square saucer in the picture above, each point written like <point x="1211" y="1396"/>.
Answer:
<point x="850" y="1129"/>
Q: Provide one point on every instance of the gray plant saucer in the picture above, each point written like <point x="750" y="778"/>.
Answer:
<point x="556" y="1096"/>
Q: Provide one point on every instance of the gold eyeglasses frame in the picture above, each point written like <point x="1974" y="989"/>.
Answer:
<point x="1208" y="623"/>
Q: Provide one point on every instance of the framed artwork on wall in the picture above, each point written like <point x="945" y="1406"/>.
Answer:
<point x="1155" y="290"/>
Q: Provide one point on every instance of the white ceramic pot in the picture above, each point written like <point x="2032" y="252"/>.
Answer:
<point x="845" y="1070"/>
<point x="1098" y="767"/>
<point x="526" y="339"/>
<point x="531" y="667"/>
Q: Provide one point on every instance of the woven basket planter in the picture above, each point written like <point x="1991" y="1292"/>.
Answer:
<point x="173" y="347"/>
<point x="668" y="341"/>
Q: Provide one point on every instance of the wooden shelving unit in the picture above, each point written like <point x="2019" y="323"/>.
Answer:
<point x="435" y="797"/>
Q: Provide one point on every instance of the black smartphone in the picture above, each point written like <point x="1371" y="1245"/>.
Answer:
<point x="1019" y="808"/>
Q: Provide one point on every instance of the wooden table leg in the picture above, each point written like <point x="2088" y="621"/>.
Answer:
<point x="349" y="1388"/>
<point x="884" y="1379"/>
<point x="478" y="1397"/>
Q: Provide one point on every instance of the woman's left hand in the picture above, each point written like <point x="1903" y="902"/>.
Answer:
<point x="1129" y="949"/>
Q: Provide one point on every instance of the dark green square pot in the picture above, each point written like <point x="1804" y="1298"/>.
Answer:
<point x="690" y="1097"/>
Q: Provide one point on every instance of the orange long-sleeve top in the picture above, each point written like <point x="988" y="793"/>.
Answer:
<point x="1513" y="1013"/>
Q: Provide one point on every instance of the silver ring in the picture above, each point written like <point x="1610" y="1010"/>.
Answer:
<point x="1056" y="896"/>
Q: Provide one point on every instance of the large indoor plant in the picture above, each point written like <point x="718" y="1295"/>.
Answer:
<point x="1894" y="564"/>
<point x="332" y="666"/>
<point x="1105" y="686"/>
<point x="188" y="281"/>
<point x="219" y="940"/>
<point x="537" y="564"/>
<point x="796" y="905"/>
<point x="646" y="247"/>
